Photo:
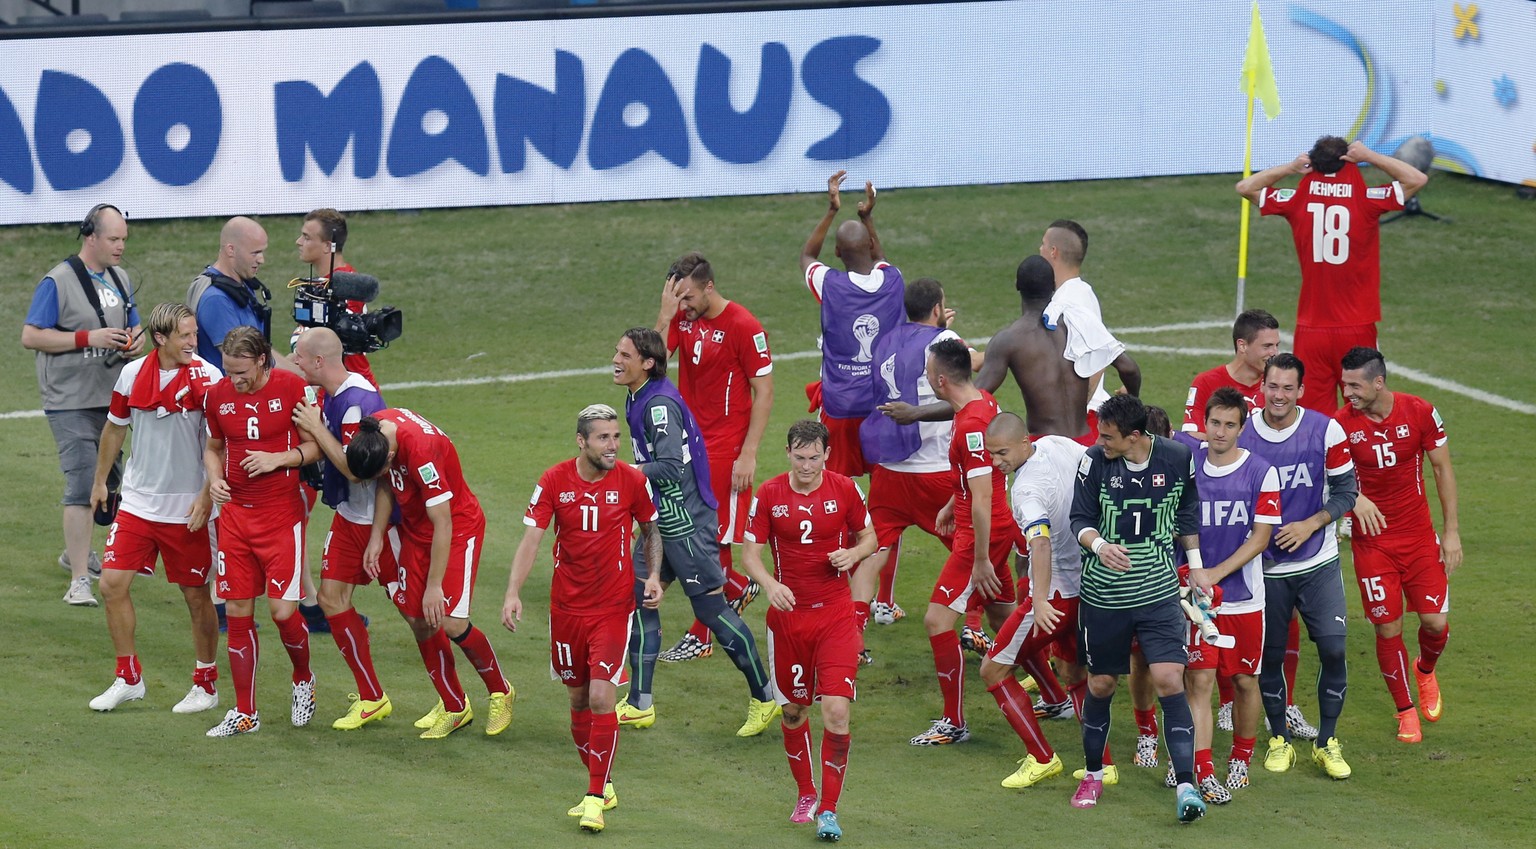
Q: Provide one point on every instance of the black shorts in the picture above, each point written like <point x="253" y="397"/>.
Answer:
<point x="1318" y="595"/>
<point x="693" y="561"/>
<point x="1104" y="635"/>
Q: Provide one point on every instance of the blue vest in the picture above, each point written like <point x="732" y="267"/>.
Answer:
<point x="900" y="358"/>
<point x="1227" y="505"/>
<point x="852" y="321"/>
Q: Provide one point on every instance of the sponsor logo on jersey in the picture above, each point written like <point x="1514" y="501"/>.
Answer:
<point x="428" y="474"/>
<point x="1083" y="464"/>
<point x="973" y="442"/>
<point x="760" y="342"/>
<point x="659" y="415"/>
<point x="611" y="497"/>
<point x="1435" y="414"/>
<point x="1285" y="194"/>
<point x="1379" y="192"/>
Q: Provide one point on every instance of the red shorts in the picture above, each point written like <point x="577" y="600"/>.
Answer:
<point x="342" y="557"/>
<point x="953" y="588"/>
<point x="733" y="506"/>
<point x="134" y="542"/>
<point x="1388" y="570"/>
<point x="901" y="500"/>
<point x="1243" y="658"/>
<point x="814" y="652"/>
<point x="1018" y="639"/>
<point x="261" y="551"/>
<point x="1322" y="350"/>
<point x="847" y="456"/>
<point x="587" y="647"/>
<point x="458" y="580"/>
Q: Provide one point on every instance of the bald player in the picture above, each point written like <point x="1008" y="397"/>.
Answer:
<point x="857" y="305"/>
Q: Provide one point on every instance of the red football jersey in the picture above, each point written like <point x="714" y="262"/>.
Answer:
<point x="719" y="358"/>
<point x="259" y="421"/>
<point x="1389" y="459"/>
<point x="803" y="530"/>
<point x="968" y="458"/>
<point x="425" y="473"/>
<point x="1205" y="383"/>
<point x="1335" y="220"/>
<point x="594" y="534"/>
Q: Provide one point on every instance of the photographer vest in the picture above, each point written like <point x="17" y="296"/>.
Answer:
<point x="250" y="298"/>
<point x="79" y="379"/>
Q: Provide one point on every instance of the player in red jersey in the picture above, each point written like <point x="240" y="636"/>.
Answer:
<point x="252" y="458"/>
<point x="1334" y="220"/>
<point x="977" y="573"/>
<point x="166" y="505"/>
<point x="725" y="373"/>
<point x="442" y="532"/>
<point x="1255" y="338"/>
<point x="1397" y="554"/>
<point x="593" y="501"/>
<point x="816" y="523"/>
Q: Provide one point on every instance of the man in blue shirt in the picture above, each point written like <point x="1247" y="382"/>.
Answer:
<point x="227" y="294"/>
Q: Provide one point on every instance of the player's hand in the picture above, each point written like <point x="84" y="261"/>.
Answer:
<point x="899" y="412"/>
<point x="834" y="183"/>
<point x="307" y="419"/>
<point x="1368" y="517"/>
<point x="371" y="555"/>
<point x="867" y="205"/>
<point x="1358" y="152"/>
<point x="671" y="300"/>
<point x="512" y="611"/>
<point x="1047" y="617"/>
<point x="843" y="559"/>
<point x="653" y="590"/>
<point x="984" y="579"/>
<point x="202" y="507"/>
<point x="433" y="605"/>
<point x="949" y="318"/>
<point x="1201" y="580"/>
<point x="780" y="597"/>
<point x="99" y="495"/>
<point x="1291" y="535"/>
<point x="1115" y="557"/>
<point x="1301" y="164"/>
<point x="1450" y="551"/>
<point x="135" y="344"/>
<point x="261" y="462"/>
<point x="219" y="491"/>
<point x="742" y="473"/>
<point x="944" y="520"/>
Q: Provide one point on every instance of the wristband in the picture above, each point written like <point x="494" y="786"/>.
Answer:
<point x="1193" y="557"/>
<point x="1098" y="544"/>
<point x="301" y="455"/>
<point x="82" y="338"/>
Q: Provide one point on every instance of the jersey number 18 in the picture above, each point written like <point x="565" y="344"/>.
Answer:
<point x="1330" y="233"/>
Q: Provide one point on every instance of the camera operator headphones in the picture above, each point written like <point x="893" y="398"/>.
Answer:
<point x="88" y="224"/>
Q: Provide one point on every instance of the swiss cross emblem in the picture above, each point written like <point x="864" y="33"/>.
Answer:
<point x="718" y="336"/>
<point x="611" y="497"/>
<point x="829" y="506"/>
<point x="1402" y="431"/>
<point x="1159" y="480"/>
<point x="274" y="405"/>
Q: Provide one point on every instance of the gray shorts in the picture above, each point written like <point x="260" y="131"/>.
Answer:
<point x="77" y="433"/>
<point x="1104" y="635"/>
<point x="1318" y="595"/>
<point x="694" y="560"/>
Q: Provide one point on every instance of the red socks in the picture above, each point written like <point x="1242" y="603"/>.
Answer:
<point x="129" y="670"/>
<point x="602" y="744"/>
<point x="295" y="639"/>
<point x="1242" y="748"/>
<point x="1227" y="690"/>
<point x="1146" y="722"/>
<point x="477" y="650"/>
<point x="581" y="732"/>
<point x="1431" y="645"/>
<point x="352" y="638"/>
<point x="834" y="763"/>
<point x="949" y="663"/>
<point x="797" y="747"/>
<point x="243" y="655"/>
<point x="437" y="654"/>
<point x="1392" y="657"/>
<point x="887" y="591"/>
<point x="1039" y="668"/>
<point x="204" y="676"/>
<point x="1014" y="701"/>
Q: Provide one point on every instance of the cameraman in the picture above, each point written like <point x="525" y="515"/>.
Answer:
<point x="227" y="294"/>
<point x="321" y="240"/>
<point x="82" y="311"/>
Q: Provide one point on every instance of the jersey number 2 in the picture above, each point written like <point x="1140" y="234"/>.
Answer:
<point x="1330" y="233"/>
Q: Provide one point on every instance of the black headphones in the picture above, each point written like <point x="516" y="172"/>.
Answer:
<point x="88" y="225"/>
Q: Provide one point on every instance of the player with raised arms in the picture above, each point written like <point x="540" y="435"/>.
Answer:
<point x="814" y="520"/>
<point x="1397" y="553"/>
<point x="593" y="502"/>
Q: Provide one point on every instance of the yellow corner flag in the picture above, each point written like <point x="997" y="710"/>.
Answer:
<point x="1258" y="73"/>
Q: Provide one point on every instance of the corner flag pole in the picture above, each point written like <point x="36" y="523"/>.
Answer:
<point x="1258" y="81"/>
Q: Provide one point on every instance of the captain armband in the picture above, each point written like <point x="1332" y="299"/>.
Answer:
<point x="1037" y="530"/>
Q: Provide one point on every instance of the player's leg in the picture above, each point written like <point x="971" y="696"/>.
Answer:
<point x="731" y="514"/>
<point x="1104" y="647"/>
<point x="309" y="603"/>
<point x="1381" y="597"/>
<point x="951" y="596"/>
<point x="1240" y="663"/>
<point x="1429" y="595"/>
<point x="452" y="711"/>
<point x="637" y="709"/>
<point x="1317" y="348"/>
<point x="1321" y="602"/>
<point x="1199" y="685"/>
<point x="594" y="651"/>
<point x="695" y="561"/>
<point x="341" y="569"/>
<point x="835" y="645"/>
<point x="794" y="674"/>
<point x="281" y="553"/>
<point x="129" y="551"/>
<point x="1013" y="639"/>
<point x="1225" y="695"/>
<point x="189" y="566"/>
<point x="1162" y="631"/>
<point x="458" y="590"/>
<point x="1144" y="709"/>
<point x="240" y="579"/>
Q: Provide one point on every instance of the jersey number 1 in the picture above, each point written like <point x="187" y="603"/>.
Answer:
<point x="1330" y="233"/>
